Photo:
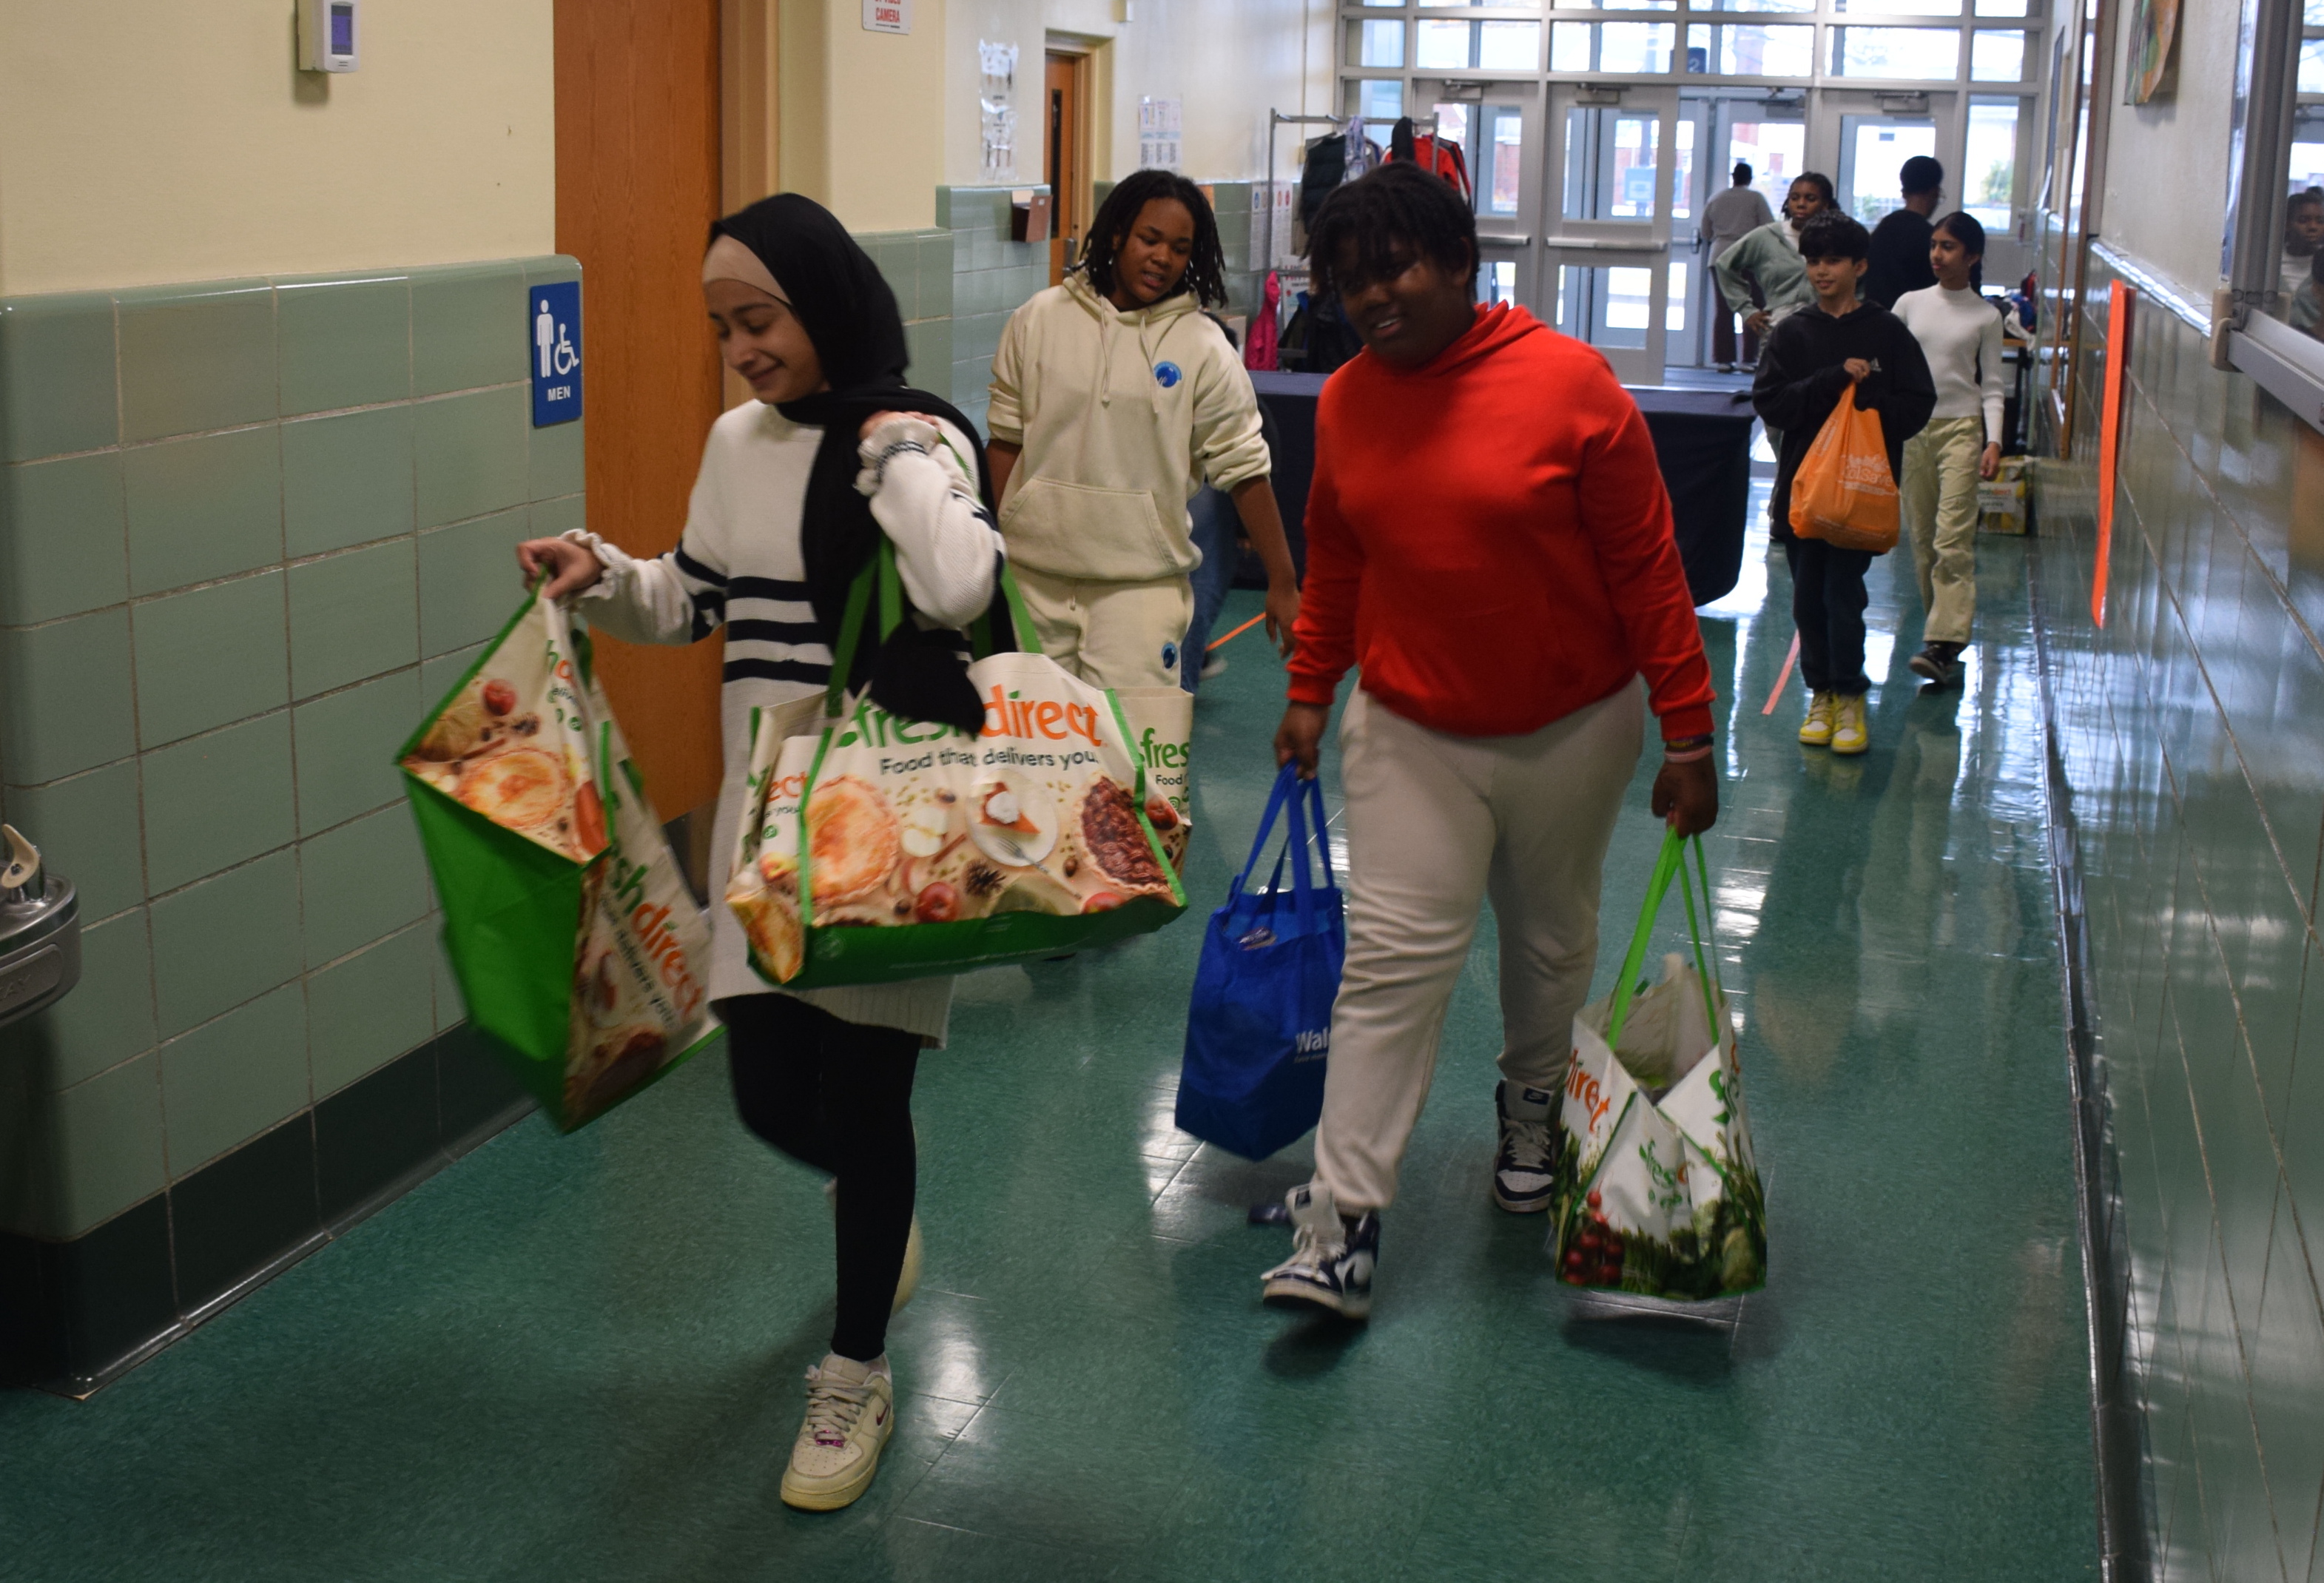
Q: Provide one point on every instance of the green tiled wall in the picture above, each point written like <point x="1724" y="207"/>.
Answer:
<point x="247" y="529"/>
<point x="2192" y="727"/>
<point x="917" y="267"/>
<point x="991" y="277"/>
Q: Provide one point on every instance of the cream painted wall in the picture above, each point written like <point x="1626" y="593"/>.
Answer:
<point x="2166" y="184"/>
<point x="147" y="141"/>
<point x="862" y="113"/>
<point x="1228" y="61"/>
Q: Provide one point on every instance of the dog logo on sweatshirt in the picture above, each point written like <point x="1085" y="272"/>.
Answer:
<point x="1168" y="374"/>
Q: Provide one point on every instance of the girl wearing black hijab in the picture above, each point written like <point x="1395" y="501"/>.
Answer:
<point x="795" y="491"/>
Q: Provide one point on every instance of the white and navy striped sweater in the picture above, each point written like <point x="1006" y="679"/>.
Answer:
<point x="739" y="565"/>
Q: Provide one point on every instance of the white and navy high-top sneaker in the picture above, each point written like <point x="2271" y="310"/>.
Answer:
<point x="1528" y="1151"/>
<point x="1332" y="1259"/>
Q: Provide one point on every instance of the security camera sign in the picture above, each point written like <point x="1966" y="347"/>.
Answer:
<point x="553" y="333"/>
<point x="886" y="17"/>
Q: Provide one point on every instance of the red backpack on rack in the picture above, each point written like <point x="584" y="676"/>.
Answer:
<point x="1431" y="153"/>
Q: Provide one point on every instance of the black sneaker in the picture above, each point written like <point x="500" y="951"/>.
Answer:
<point x="1939" y="662"/>
<point x="1528" y="1151"/>
<point x="1330" y="1263"/>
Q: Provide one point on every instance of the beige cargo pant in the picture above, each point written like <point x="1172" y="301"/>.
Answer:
<point x="1940" y="509"/>
<point x="1435" y="824"/>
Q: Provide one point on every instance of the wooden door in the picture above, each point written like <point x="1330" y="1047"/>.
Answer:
<point x="1068" y="167"/>
<point x="637" y="187"/>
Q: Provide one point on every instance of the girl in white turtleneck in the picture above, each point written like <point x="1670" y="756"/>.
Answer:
<point x="1960" y="333"/>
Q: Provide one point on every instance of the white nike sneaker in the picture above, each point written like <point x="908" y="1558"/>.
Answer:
<point x="1523" y="1165"/>
<point x="1333" y="1256"/>
<point x="850" y="1412"/>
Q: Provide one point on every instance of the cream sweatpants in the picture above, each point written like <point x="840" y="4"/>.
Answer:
<point x="1110" y="633"/>
<point x="1435" y="824"/>
<point x="1940" y="506"/>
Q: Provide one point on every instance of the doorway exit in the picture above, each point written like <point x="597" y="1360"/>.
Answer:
<point x="1747" y="127"/>
<point x="1065" y="93"/>
<point x="1873" y="149"/>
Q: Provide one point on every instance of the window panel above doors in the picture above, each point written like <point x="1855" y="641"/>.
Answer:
<point x="1751" y="49"/>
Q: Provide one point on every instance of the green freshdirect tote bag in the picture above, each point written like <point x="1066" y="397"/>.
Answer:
<point x="578" y="948"/>
<point x="875" y="849"/>
<point x="1656" y="1190"/>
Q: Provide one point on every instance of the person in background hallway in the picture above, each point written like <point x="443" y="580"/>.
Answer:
<point x="2303" y="242"/>
<point x="1899" y="243"/>
<point x="1726" y="220"/>
<point x="2306" y="310"/>
<point x="1769" y="258"/>
<point x="1500" y="574"/>
<point x="795" y="491"/>
<point x="1959" y="334"/>
<point x="1113" y="401"/>
<point x="1811" y="360"/>
<point x="1218" y="533"/>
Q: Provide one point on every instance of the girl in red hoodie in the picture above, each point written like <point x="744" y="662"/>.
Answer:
<point x="1489" y="542"/>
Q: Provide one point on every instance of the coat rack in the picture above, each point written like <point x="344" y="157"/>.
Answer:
<point x="1422" y="126"/>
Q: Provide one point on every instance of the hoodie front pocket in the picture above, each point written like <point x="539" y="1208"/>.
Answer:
<point x="1078" y="529"/>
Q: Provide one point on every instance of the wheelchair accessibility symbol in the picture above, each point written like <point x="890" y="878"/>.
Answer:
<point x="554" y="329"/>
<point x="555" y="343"/>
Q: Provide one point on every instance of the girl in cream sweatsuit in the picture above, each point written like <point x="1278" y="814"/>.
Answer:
<point x="1105" y="420"/>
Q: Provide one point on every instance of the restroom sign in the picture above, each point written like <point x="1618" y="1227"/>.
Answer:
<point x="886" y="17"/>
<point x="552" y="331"/>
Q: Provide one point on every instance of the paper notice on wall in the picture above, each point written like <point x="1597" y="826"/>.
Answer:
<point x="1273" y="209"/>
<point x="996" y="103"/>
<point x="1158" y="132"/>
<point x="886" y="17"/>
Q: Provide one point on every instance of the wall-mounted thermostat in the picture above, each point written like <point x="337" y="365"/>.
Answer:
<point x="327" y="35"/>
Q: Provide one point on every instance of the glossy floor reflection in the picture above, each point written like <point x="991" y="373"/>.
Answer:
<point x="579" y="1358"/>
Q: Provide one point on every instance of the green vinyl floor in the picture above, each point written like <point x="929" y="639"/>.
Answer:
<point x="579" y="1358"/>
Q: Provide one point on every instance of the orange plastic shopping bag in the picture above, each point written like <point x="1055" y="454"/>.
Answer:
<point x="1843" y="493"/>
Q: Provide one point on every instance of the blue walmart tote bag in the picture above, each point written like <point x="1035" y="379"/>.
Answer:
<point x="1260" y="1028"/>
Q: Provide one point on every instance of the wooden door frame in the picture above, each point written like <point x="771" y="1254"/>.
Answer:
<point x="2082" y="198"/>
<point x="637" y="140"/>
<point x="749" y="125"/>
<point x="1072" y="187"/>
<point x="749" y="133"/>
<point x="1094" y="65"/>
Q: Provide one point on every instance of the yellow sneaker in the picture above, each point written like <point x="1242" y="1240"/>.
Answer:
<point x="1815" y="731"/>
<point x="850" y="1412"/>
<point x="1848" y="732"/>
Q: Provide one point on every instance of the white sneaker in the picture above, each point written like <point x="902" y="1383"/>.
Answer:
<point x="1211" y="667"/>
<point x="908" y="1279"/>
<point x="1333" y="1256"/>
<point x="1523" y="1165"/>
<point x="850" y="1412"/>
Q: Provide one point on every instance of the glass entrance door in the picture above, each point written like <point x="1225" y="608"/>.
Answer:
<point x="1607" y="269"/>
<point x="1873" y="149"/>
<point x="1497" y="128"/>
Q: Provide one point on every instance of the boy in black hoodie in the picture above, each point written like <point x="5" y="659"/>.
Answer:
<point x="1810" y="357"/>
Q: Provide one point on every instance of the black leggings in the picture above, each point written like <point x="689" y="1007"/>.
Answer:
<point x="836" y="1096"/>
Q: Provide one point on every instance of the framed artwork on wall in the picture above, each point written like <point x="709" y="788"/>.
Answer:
<point x="2153" y="65"/>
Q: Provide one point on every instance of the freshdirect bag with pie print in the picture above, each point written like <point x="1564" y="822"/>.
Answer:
<point x="875" y="849"/>
<point x="577" y="946"/>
